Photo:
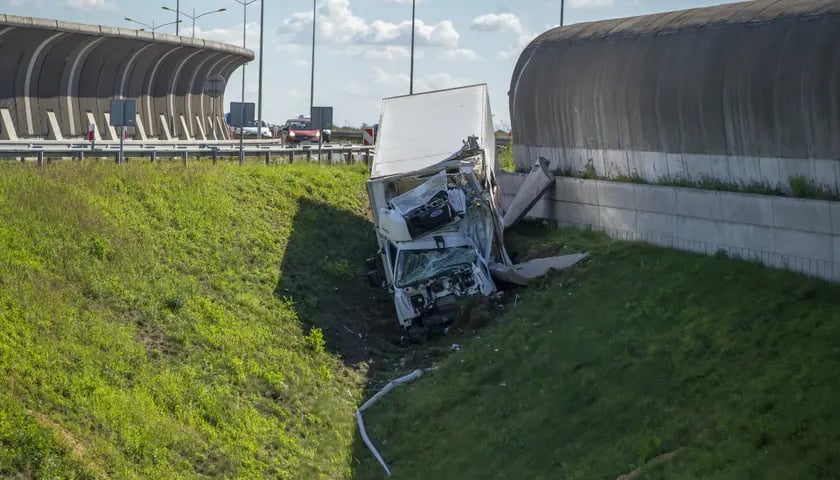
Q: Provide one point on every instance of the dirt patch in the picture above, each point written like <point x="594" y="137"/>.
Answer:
<point x="76" y="447"/>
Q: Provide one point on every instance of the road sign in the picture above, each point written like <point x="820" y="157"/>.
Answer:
<point x="240" y="117"/>
<point x="367" y="137"/>
<point x="215" y="85"/>
<point x="322" y="118"/>
<point x="124" y="113"/>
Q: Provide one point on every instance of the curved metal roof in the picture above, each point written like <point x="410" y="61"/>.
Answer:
<point x="758" y="11"/>
<point x="125" y="33"/>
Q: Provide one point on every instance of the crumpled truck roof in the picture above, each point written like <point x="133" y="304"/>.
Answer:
<point x="418" y="132"/>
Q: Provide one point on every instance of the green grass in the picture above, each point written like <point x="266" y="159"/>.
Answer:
<point x="642" y="351"/>
<point x="506" y="159"/>
<point x="157" y="321"/>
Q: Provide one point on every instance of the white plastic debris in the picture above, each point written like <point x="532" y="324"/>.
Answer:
<point x="385" y="390"/>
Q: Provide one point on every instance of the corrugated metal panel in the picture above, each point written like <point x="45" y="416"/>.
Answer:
<point x="748" y="79"/>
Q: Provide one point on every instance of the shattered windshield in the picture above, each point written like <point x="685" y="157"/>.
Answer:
<point x="414" y="266"/>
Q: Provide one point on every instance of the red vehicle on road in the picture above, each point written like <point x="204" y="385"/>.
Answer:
<point x="300" y="130"/>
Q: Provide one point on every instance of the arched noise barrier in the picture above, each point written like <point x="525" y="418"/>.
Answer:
<point x="195" y="91"/>
<point x="745" y="92"/>
<point x="181" y="93"/>
<point x="214" y="107"/>
<point x="61" y="73"/>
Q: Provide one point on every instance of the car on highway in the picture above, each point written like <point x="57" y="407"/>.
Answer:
<point x="250" y="131"/>
<point x="301" y="126"/>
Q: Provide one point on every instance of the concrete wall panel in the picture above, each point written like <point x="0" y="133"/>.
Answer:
<point x="619" y="195"/>
<point x="747" y="209"/>
<point x="805" y="215"/>
<point x="656" y="199"/>
<point x="795" y="234"/>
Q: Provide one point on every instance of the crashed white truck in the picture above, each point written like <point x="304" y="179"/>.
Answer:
<point x="437" y="209"/>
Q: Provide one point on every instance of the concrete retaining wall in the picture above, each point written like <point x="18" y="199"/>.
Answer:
<point x="63" y="75"/>
<point x="795" y="234"/>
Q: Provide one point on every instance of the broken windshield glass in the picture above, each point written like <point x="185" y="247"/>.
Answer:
<point x="415" y="266"/>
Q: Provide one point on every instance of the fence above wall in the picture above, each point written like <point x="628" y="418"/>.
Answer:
<point x="795" y="234"/>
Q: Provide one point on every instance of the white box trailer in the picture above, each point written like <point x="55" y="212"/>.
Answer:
<point x="436" y="205"/>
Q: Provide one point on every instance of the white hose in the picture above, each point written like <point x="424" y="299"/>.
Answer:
<point x="391" y="385"/>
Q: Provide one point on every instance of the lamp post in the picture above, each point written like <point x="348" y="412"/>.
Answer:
<point x="562" y="11"/>
<point x="312" y="64"/>
<point x="260" y="87"/>
<point x="244" y="4"/>
<point x="151" y="27"/>
<point x="194" y="17"/>
<point x="411" y="76"/>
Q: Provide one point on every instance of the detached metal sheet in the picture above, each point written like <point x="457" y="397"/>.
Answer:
<point x="417" y="132"/>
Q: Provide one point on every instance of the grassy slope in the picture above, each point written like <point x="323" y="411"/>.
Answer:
<point x="140" y="332"/>
<point x="641" y="352"/>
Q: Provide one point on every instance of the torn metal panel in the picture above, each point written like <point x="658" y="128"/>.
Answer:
<point x="523" y="273"/>
<point x="536" y="184"/>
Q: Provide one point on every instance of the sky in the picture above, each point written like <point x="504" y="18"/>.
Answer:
<point x="362" y="46"/>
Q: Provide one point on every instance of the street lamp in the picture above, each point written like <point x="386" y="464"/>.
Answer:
<point x="312" y="64"/>
<point x="151" y="27"/>
<point x="193" y="17"/>
<point x="260" y="87"/>
<point x="562" y="10"/>
<point x="411" y="77"/>
<point x="244" y="4"/>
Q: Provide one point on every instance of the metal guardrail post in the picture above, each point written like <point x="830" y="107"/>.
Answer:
<point x="81" y="155"/>
<point x="153" y="156"/>
<point x="215" y="156"/>
<point x="185" y="157"/>
<point x="268" y="157"/>
<point x="40" y="159"/>
<point x="291" y="156"/>
<point x="309" y="156"/>
<point x="349" y="160"/>
<point x="367" y="156"/>
<point x="329" y="157"/>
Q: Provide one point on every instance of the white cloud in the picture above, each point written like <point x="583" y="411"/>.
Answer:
<point x="590" y="3"/>
<point x="231" y="36"/>
<point x="460" y="54"/>
<point x="398" y="83"/>
<point x="85" y="4"/>
<point x="507" y="22"/>
<point x="338" y="25"/>
<point x="497" y="22"/>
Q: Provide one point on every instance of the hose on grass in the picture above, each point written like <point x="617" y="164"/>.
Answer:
<point x="387" y="388"/>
